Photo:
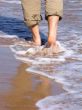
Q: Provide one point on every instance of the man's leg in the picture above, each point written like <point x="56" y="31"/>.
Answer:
<point x="32" y="17"/>
<point x="36" y="35"/>
<point x="54" y="11"/>
<point x="52" y="29"/>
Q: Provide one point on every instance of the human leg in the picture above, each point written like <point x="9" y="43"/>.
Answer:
<point x="54" y="10"/>
<point x="32" y="17"/>
<point x="36" y="35"/>
<point x="52" y="29"/>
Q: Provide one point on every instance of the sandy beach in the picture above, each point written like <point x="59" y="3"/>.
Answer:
<point x="20" y="90"/>
<point x="40" y="82"/>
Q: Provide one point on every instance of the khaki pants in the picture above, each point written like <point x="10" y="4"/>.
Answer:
<point x="32" y="10"/>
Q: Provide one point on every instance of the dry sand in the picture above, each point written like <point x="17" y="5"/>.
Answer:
<point x="20" y="90"/>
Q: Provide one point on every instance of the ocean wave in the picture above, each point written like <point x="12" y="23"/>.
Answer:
<point x="61" y="102"/>
<point x="62" y="68"/>
<point x="8" y="36"/>
<point x="70" y="80"/>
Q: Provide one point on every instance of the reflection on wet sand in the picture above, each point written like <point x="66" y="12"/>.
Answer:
<point x="28" y="89"/>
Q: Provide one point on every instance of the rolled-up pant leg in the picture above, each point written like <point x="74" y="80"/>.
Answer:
<point x="31" y="10"/>
<point x="54" y="7"/>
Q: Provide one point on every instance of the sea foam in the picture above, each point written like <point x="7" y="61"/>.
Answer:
<point x="61" y="102"/>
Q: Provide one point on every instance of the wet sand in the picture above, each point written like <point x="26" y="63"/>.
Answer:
<point x="20" y="90"/>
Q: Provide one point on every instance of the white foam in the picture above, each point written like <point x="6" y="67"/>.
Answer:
<point x="62" y="80"/>
<point x="34" y="50"/>
<point x="35" y="62"/>
<point x="49" y="60"/>
<point x="77" y="57"/>
<point x="60" y="46"/>
<point x="70" y="85"/>
<point x="32" y="70"/>
<point x="24" y="50"/>
<point x="8" y="36"/>
<point x="19" y="52"/>
<point x="71" y="82"/>
<point x="61" y="102"/>
<point x="23" y="59"/>
<point x="68" y="53"/>
<point x="39" y="60"/>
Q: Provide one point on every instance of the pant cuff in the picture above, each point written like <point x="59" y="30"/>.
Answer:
<point x="33" y="20"/>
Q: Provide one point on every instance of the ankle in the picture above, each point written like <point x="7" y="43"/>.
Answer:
<point x="37" y="41"/>
<point x="51" y="41"/>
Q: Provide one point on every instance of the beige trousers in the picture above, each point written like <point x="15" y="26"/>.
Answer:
<point x="32" y="10"/>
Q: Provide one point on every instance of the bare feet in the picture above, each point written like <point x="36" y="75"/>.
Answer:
<point x="53" y="49"/>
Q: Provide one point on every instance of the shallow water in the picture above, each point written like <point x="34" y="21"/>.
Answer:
<point x="65" y="68"/>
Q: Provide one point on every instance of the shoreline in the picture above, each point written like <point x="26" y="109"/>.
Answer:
<point x="21" y="89"/>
